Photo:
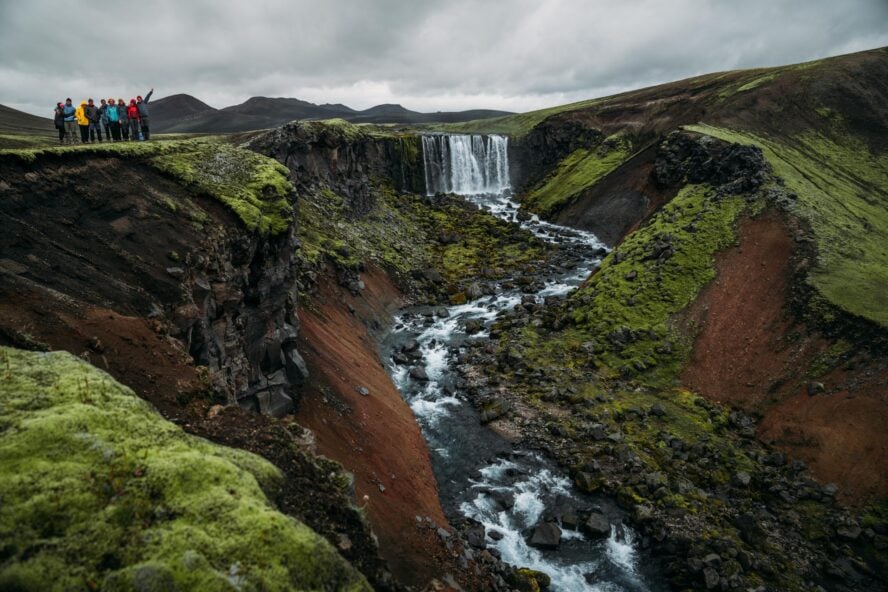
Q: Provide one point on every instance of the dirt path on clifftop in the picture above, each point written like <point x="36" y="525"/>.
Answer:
<point x="751" y="353"/>
<point x="374" y="436"/>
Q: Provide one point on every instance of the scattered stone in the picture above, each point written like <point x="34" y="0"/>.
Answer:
<point x="295" y="366"/>
<point x="473" y="326"/>
<point x="175" y="271"/>
<point x="363" y="391"/>
<point x="419" y="373"/>
<point x="587" y="482"/>
<point x="658" y="410"/>
<point x="710" y="578"/>
<point x="849" y="532"/>
<point x="750" y="529"/>
<point x="495" y="535"/>
<point x="596" y="525"/>
<point x="475" y="536"/>
<point x="631" y="276"/>
<point x="815" y="388"/>
<point x="570" y="521"/>
<point x="494" y="409"/>
<point x="545" y="536"/>
<point x="474" y="291"/>
<point x="742" y="479"/>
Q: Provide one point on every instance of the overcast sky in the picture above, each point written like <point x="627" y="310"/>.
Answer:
<point x="427" y="55"/>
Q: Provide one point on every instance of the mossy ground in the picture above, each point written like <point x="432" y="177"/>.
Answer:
<point x="100" y="492"/>
<point x="842" y="190"/>
<point x="579" y="170"/>
<point x="254" y="187"/>
<point x="621" y="318"/>
<point x="404" y="232"/>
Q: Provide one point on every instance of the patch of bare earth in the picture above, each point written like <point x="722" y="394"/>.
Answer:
<point x="750" y="352"/>
<point x="375" y="435"/>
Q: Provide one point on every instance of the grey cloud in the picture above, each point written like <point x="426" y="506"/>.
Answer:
<point x="429" y="54"/>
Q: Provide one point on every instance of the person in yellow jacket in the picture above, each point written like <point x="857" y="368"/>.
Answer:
<point x="82" y="121"/>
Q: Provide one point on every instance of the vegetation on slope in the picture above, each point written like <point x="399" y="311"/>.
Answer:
<point x="407" y="235"/>
<point x="580" y="169"/>
<point x="100" y="492"/>
<point x="726" y="84"/>
<point x="842" y="191"/>
<point x="254" y="187"/>
<point x="620" y="319"/>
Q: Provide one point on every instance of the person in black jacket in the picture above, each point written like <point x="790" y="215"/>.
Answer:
<point x="143" y="112"/>
<point x="95" y="120"/>
<point x="59" y="120"/>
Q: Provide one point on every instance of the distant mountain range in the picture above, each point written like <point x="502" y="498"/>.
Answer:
<point x="184" y="113"/>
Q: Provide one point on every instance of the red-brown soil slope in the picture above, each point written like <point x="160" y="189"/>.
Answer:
<point x="750" y="352"/>
<point x="374" y="436"/>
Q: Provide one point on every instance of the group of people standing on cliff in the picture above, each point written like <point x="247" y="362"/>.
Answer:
<point x="119" y="121"/>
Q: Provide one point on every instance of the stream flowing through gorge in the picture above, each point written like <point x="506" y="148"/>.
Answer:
<point x="482" y="476"/>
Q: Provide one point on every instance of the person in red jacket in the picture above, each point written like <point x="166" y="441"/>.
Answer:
<point x="132" y="112"/>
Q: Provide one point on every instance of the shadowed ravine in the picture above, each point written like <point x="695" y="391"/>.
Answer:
<point x="481" y="475"/>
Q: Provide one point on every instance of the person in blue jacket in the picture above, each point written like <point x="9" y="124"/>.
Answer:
<point x="72" y="130"/>
<point x="103" y="112"/>
<point x="113" y="119"/>
<point x="143" y="112"/>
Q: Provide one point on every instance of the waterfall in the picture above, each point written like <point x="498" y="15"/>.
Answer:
<point x="465" y="164"/>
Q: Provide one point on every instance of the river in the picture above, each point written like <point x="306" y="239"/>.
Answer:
<point x="481" y="475"/>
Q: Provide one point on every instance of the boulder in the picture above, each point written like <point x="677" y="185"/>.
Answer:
<point x="475" y="536"/>
<point x="710" y="578"/>
<point x="474" y="291"/>
<point x="596" y="525"/>
<point x="419" y="373"/>
<point x="815" y="388"/>
<point x="294" y="364"/>
<point x="494" y="409"/>
<point x="473" y="326"/>
<point x="545" y="536"/>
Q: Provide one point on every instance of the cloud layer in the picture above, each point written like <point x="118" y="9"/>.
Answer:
<point x="425" y="54"/>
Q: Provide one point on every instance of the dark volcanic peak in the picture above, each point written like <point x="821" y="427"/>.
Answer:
<point x="389" y="109"/>
<point x="266" y="112"/>
<point x="181" y="103"/>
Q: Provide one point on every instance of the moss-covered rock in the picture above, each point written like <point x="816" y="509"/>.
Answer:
<point x="256" y="188"/>
<point x="99" y="491"/>
<point x="404" y="232"/>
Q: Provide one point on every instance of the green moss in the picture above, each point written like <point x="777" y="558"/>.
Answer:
<point x="579" y="170"/>
<point x="100" y="492"/>
<point x="255" y="187"/>
<point x="842" y="190"/>
<point x="756" y="82"/>
<point x="402" y="233"/>
<point x="388" y="235"/>
<point x="626" y="307"/>
<point x="484" y="246"/>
